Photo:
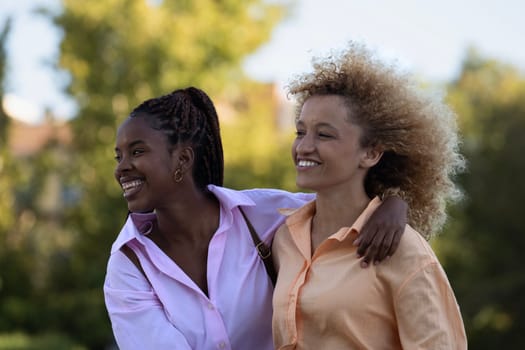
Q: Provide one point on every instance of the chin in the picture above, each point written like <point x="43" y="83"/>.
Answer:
<point x="135" y="208"/>
<point x="304" y="185"/>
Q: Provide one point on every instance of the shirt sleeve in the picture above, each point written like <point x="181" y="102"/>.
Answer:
<point x="137" y="316"/>
<point x="427" y="313"/>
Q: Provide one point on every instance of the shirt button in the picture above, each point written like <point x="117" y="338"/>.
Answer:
<point x="222" y="345"/>
<point x="210" y="306"/>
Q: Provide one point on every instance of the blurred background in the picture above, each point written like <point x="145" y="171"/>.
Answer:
<point x="70" y="72"/>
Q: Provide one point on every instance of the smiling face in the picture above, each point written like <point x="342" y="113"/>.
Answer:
<point x="145" y="165"/>
<point x="327" y="151"/>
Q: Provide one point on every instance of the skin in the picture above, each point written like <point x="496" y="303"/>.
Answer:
<point x="381" y="235"/>
<point x="146" y="160"/>
<point x="146" y="164"/>
<point x="374" y="246"/>
<point x="331" y="161"/>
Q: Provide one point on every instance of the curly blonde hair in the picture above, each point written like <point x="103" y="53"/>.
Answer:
<point x="417" y="132"/>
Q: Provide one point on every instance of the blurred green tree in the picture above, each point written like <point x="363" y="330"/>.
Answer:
<point x="22" y="249"/>
<point x="13" y="273"/>
<point x="6" y="198"/>
<point x="118" y="53"/>
<point x="257" y="138"/>
<point x="484" y="245"/>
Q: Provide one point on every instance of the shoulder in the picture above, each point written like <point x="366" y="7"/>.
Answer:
<point x="122" y="274"/>
<point x="282" y="235"/>
<point x="126" y="234"/>
<point x="281" y="243"/>
<point x="414" y="247"/>
<point x="413" y="255"/>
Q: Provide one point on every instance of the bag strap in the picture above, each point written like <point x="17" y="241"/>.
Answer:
<point x="264" y="251"/>
<point x="134" y="259"/>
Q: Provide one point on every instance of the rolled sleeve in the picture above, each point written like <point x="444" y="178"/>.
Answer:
<point x="427" y="312"/>
<point x="137" y="316"/>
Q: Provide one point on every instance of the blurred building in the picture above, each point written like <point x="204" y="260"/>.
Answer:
<point x="28" y="141"/>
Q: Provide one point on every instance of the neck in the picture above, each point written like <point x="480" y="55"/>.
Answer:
<point x="193" y="216"/>
<point x="336" y="209"/>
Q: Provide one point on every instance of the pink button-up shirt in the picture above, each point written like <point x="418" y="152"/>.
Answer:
<point x="168" y="311"/>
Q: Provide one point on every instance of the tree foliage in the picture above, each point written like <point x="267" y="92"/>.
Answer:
<point x="120" y="52"/>
<point x="6" y="200"/>
<point x="257" y="138"/>
<point x="117" y="54"/>
<point x="483" y="252"/>
<point x="21" y="269"/>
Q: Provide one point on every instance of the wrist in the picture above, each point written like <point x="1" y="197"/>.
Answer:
<point x="390" y="192"/>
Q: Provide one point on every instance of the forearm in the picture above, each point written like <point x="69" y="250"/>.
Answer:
<point x="137" y="316"/>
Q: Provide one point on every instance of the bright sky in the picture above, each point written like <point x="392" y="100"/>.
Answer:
<point x="430" y="38"/>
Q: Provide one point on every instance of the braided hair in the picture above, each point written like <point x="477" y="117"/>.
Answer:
<point x="189" y="116"/>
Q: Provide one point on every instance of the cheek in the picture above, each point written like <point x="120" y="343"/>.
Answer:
<point x="117" y="172"/>
<point x="294" y="148"/>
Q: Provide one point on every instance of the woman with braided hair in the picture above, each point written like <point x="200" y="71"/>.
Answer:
<point x="183" y="272"/>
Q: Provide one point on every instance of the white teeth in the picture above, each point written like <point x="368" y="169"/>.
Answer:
<point x="131" y="184"/>
<point x="306" y="163"/>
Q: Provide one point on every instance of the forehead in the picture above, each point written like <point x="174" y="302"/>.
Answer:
<point x="138" y="129"/>
<point x="324" y="108"/>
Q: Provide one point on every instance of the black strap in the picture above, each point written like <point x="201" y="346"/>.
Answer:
<point x="264" y="252"/>
<point x="134" y="259"/>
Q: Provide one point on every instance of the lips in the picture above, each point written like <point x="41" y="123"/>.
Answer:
<point x="306" y="163"/>
<point x="131" y="187"/>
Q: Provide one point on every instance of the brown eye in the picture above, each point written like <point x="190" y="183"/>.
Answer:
<point x="299" y="133"/>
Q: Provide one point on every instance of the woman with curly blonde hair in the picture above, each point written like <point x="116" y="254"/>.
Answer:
<point x="364" y="129"/>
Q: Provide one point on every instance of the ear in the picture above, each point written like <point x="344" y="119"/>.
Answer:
<point x="371" y="156"/>
<point x="183" y="158"/>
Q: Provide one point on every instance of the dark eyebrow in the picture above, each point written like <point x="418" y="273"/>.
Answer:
<point x="320" y="125"/>
<point x="131" y="144"/>
<point x="134" y="143"/>
<point x="326" y="125"/>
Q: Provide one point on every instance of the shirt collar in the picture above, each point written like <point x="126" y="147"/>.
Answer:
<point x="362" y="219"/>
<point x="297" y="216"/>
<point x="229" y="198"/>
<point x="139" y="224"/>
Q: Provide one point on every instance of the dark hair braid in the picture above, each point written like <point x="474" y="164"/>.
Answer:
<point x="189" y="116"/>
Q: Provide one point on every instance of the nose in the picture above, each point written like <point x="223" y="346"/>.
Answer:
<point x="305" y="144"/>
<point x="122" y="166"/>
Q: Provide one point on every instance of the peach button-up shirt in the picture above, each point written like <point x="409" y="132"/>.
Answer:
<point x="325" y="300"/>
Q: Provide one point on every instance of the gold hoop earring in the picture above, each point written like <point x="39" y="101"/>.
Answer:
<point x="177" y="175"/>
